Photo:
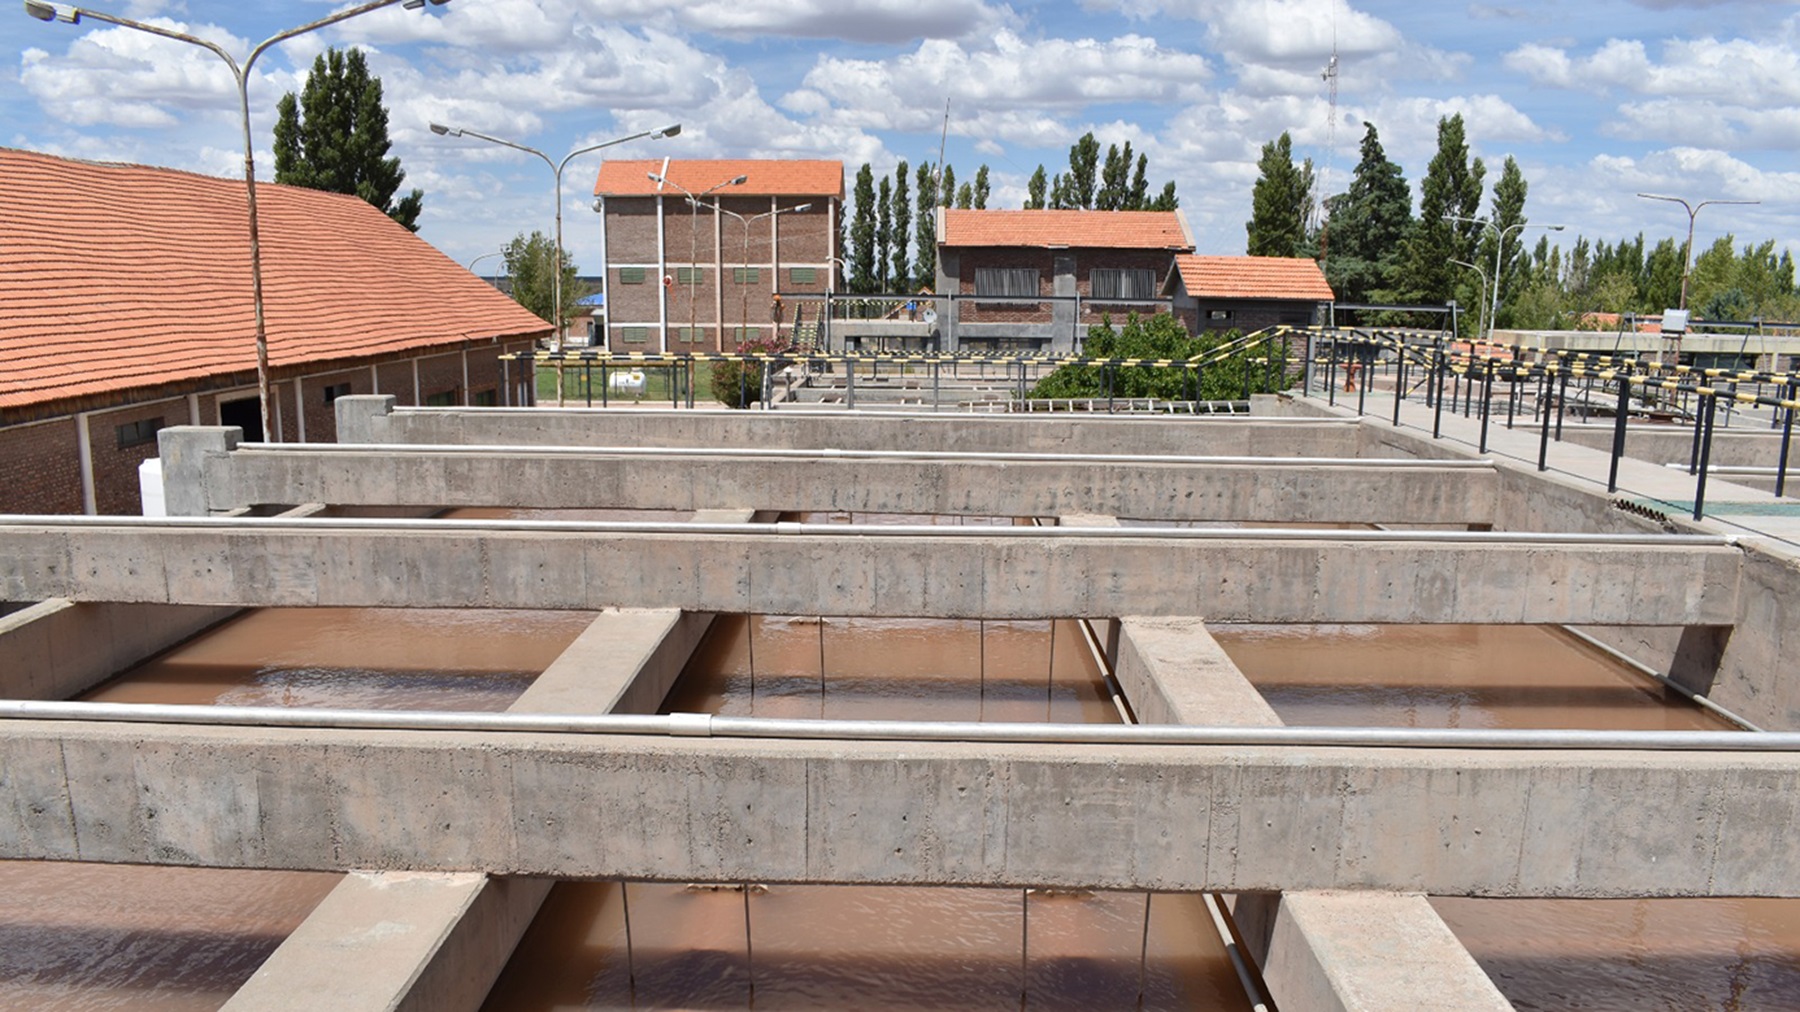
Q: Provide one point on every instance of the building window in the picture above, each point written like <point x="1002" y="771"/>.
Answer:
<point x="742" y="334"/>
<point x="138" y="433"/>
<point x="487" y="398"/>
<point x="747" y="275"/>
<point x="1112" y="283"/>
<point x="441" y="399"/>
<point x="689" y="275"/>
<point x="803" y="275"/>
<point x="689" y="335"/>
<point x="631" y="275"/>
<point x="634" y="335"/>
<point x="1218" y="314"/>
<point x="1006" y="281"/>
<point x="336" y="390"/>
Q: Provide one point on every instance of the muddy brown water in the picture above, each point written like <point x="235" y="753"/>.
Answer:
<point x="897" y="948"/>
<point x="78" y="936"/>
<point x="1734" y="955"/>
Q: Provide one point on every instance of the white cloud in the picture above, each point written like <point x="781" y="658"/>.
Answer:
<point x="1758" y="74"/>
<point x="889" y="21"/>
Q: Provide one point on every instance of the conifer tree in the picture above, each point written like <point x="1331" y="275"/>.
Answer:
<point x="1037" y="191"/>
<point x="884" y="235"/>
<point x="1280" y="202"/>
<point x="335" y="137"/>
<point x="900" y="277"/>
<point x="925" y="228"/>
<point x="862" y="234"/>
<point x="982" y="188"/>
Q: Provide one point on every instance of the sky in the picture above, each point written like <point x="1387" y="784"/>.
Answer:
<point x="1597" y="99"/>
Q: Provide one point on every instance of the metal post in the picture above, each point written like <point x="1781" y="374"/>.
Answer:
<point x="1544" y="437"/>
<point x="1618" y="446"/>
<point x="1787" y="435"/>
<point x="506" y="381"/>
<point x="1331" y="374"/>
<point x="934" y="385"/>
<point x="1437" y="416"/>
<point x="1712" y="407"/>
<point x="605" y="385"/>
<point x="1562" y="402"/>
<point x="1512" y="394"/>
<point x="1367" y="372"/>
<point x="1400" y="384"/>
<point x="1694" y="453"/>
<point x="1487" y="402"/>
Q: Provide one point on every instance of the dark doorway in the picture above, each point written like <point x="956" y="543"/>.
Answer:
<point x="245" y="414"/>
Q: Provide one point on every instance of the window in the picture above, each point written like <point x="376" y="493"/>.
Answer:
<point x="747" y="275"/>
<point x="441" y="399"/>
<point x="1006" y="281"/>
<point x="138" y="433"/>
<point x="689" y="335"/>
<point x="742" y="334"/>
<point x="631" y="275"/>
<point x="1218" y="314"/>
<point x="1112" y="283"/>
<point x="634" y="335"/>
<point x="336" y="390"/>
<point x="689" y="275"/>
<point x="487" y="398"/>
<point x="803" y="275"/>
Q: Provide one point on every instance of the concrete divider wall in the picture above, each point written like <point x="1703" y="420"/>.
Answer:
<point x="58" y="649"/>
<point x="1749" y="446"/>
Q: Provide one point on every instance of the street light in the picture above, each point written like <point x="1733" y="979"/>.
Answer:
<point x="1499" y="246"/>
<point x="1687" y="251"/>
<point x="1484" y="284"/>
<point x="744" y="310"/>
<point x="484" y="256"/>
<point x="662" y="179"/>
<point x="73" y="15"/>
<point x="557" y="167"/>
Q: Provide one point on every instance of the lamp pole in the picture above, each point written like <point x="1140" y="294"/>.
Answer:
<point x="744" y="310"/>
<point x="557" y="168"/>
<point x="1687" y="250"/>
<point x="484" y="256"/>
<point x="693" y="199"/>
<point x="1484" y="282"/>
<point x="73" y="15"/>
<point x="1499" y="247"/>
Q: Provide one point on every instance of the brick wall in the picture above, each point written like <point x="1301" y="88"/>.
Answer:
<point x="116" y="467"/>
<point x="439" y="375"/>
<point x="39" y="468"/>
<point x="397" y="379"/>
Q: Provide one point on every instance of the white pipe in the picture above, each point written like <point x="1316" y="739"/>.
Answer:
<point x="692" y="725"/>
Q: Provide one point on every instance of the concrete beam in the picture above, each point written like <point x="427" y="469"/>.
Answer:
<point x="1386" y="492"/>
<point x="374" y="419"/>
<point x="386" y="941"/>
<point x="1228" y="819"/>
<point x="58" y="649"/>
<point x="967" y="573"/>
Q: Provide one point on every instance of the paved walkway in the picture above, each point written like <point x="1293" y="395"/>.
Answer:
<point x="1729" y="508"/>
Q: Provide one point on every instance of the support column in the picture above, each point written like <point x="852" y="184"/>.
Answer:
<point x="1333" y="951"/>
<point x="364" y="419"/>
<point x="184" y="450"/>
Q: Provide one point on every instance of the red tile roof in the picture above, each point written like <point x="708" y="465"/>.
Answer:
<point x="121" y="276"/>
<point x="768" y="178"/>
<point x="1253" y="278"/>
<point x="1074" y="229"/>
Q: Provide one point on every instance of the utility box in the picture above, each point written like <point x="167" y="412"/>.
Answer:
<point x="1675" y="321"/>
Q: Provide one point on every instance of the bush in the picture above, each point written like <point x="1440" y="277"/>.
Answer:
<point x="1163" y="336"/>
<point x="739" y="384"/>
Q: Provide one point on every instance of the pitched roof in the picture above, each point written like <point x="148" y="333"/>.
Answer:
<point x="1207" y="277"/>
<point x="767" y="177"/>
<point x="121" y="276"/>
<point x="1074" y="229"/>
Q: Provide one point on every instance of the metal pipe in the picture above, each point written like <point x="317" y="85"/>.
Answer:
<point x="701" y="725"/>
<point x="391" y="526"/>
<point x="1698" y="699"/>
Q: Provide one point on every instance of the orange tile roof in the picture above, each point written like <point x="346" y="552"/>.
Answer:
<point x="768" y="177"/>
<point x="1074" y="229"/>
<point x="121" y="276"/>
<point x="1253" y="278"/>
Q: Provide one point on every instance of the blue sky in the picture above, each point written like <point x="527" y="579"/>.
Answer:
<point x="1597" y="99"/>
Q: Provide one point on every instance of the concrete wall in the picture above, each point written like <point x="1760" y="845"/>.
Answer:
<point x="963" y="573"/>
<point x="1446" y="822"/>
<point x="1746" y="446"/>
<point x="59" y="649"/>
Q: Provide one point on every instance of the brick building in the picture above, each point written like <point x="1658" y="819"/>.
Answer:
<point x="125" y="306"/>
<point x="1247" y="293"/>
<point x="701" y="273"/>
<point x="1052" y="273"/>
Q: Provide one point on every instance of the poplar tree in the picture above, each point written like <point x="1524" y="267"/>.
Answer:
<point x="1451" y="187"/>
<point x="925" y="229"/>
<point x="862" y="234"/>
<point x="947" y="186"/>
<point x="1508" y="211"/>
<point x="901" y="275"/>
<point x="1037" y="190"/>
<point x="1084" y="162"/>
<point x="1280" y="203"/>
<point x="884" y="235"/>
<point x="981" y="188"/>
<point x="1139" y="198"/>
<point x="335" y="137"/>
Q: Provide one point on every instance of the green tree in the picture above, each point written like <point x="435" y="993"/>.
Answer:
<point x="1369" y="222"/>
<point x="335" y="137"/>
<point x="1036" y="190"/>
<point x="965" y="197"/>
<point x="901" y="275"/>
<point x="982" y="189"/>
<point x="530" y="260"/>
<point x="1115" y="180"/>
<point x="1084" y="162"/>
<point x="1139" y="197"/>
<point x="862" y="234"/>
<point x="1280" y="202"/>
<point x="1507" y="214"/>
<point x="1166" y="201"/>
<point x="947" y="186"/>
<point x="925" y="229"/>
<point x="884" y="235"/>
<point x="1662" y="277"/>
<point x="1451" y="188"/>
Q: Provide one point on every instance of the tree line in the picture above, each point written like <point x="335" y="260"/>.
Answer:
<point x="1375" y="250"/>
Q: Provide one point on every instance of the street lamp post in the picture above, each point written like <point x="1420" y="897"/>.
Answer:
<point x="744" y="310"/>
<point x="557" y="168"/>
<point x="1499" y="247"/>
<point x="1484" y="284"/>
<point x="1687" y="250"/>
<point x="73" y="15"/>
<point x="693" y="199"/>
<point x="484" y="256"/>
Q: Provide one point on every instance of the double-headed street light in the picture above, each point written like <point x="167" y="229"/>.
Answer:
<point x="556" y="167"/>
<point x="73" y="15"/>
<point x="744" y="311"/>
<point x="693" y="199"/>
<point x="1687" y="251"/>
<point x="1499" y="247"/>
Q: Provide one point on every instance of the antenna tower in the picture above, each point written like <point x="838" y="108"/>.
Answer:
<point x="1331" y="86"/>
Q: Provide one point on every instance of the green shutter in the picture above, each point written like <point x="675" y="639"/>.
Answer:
<point x="803" y="275"/>
<point x="631" y="275"/>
